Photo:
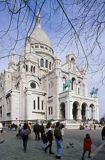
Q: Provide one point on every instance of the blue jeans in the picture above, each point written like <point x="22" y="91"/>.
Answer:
<point x="59" y="145"/>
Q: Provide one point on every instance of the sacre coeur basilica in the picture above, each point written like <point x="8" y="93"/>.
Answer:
<point x="39" y="87"/>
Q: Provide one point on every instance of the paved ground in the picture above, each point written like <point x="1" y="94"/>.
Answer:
<point x="11" y="148"/>
<point x="100" y="153"/>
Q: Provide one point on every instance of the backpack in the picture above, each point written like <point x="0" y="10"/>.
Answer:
<point x="25" y="132"/>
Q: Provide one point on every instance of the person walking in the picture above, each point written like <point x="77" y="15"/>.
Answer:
<point x="94" y="126"/>
<point x="41" y="129"/>
<point x="87" y="146"/>
<point x="25" y="131"/>
<point x="59" y="140"/>
<point x="18" y="135"/>
<point x="49" y="134"/>
<point x="90" y="126"/>
<point x="103" y="133"/>
<point x="36" y="129"/>
<point x="44" y="140"/>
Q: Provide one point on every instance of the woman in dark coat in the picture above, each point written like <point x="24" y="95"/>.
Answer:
<point x="25" y="131"/>
<point x="49" y="134"/>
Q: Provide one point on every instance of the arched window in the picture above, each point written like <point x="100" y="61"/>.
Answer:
<point x="41" y="46"/>
<point x="34" y="104"/>
<point x="38" y="103"/>
<point x="50" y="65"/>
<point x="26" y="68"/>
<point x="34" y="69"/>
<point x="31" y="68"/>
<point x="42" y="62"/>
<point x="51" y="110"/>
<point x="72" y="60"/>
<point x="42" y="105"/>
<point x="73" y="63"/>
<point x="46" y="64"/>
<point x="73" y="82"/>
<point x="36" y="46"/>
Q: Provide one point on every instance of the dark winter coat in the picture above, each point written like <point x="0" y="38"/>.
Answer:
<point x="57" y="133"/>
<point x="103" y="133"/>
<point x="49" y="134"/>
<point x="41" y="128"/>
<point x="36" y="128"/>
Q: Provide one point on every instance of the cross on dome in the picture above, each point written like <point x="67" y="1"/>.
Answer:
<point x="39" y="36"/>
<point x="38" y="20"/>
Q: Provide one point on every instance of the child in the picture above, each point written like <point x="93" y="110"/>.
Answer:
<point x="87" y="146"/>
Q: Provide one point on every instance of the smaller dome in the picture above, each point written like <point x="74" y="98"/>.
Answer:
<point x="39" y="36"/>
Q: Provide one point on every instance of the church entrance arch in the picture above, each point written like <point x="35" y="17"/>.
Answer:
<point x="83" y="111"/>
<point x="75" y="110"/>
<point x="62" y="111"/>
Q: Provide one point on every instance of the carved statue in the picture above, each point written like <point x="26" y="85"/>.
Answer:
<point x="67" y="84"/>
<point x="94" y="92"/>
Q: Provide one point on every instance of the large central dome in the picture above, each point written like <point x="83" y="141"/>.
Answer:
<point x="39" y="36"/>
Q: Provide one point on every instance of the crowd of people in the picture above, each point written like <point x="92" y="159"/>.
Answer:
<point x="44" y="133"/>
<point x="49" y="133"/>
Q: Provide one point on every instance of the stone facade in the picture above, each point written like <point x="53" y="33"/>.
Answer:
<point x="39" y="87"/>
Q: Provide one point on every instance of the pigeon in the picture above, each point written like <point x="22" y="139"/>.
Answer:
<point x="2" y="141"/>
<point x="67" y="146"/>
<point x="71" y="144"/>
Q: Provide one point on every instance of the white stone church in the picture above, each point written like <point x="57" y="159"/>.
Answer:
<point x="39" y="87"/>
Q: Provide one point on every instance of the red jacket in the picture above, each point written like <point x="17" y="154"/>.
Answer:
<point x="87" y="144"/>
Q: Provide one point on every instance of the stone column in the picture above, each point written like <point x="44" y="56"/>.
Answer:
<point x="79" y="117"/>
<point x="97" y="112"/>
<point x="67" y="110"/>
<point x="87" y="112"/>
<point x="71" y="110"/>
<point x="94" y="113"/>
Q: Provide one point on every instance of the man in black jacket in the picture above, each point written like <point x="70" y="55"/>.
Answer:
<point x="36" y="129"/>
<point x="41" y="128"/>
